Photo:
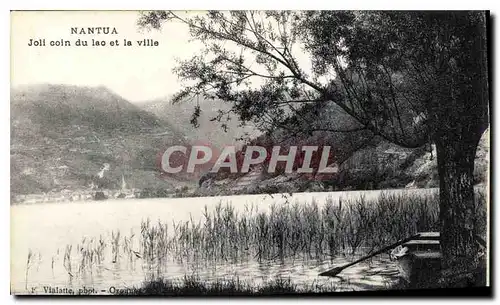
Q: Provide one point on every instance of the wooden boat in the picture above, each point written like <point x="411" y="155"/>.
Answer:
<point x="420" y="260"/>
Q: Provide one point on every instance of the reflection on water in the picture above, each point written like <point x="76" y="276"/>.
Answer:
<point x="378" y="273"/>
<point x="47" y="229"/>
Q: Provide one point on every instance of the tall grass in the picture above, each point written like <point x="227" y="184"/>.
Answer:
<point x="305" y="230"/>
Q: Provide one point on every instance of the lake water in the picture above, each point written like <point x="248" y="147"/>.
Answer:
<point x="47" y="228"/>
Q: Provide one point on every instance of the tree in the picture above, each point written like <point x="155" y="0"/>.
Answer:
<point x="408" y="77"/>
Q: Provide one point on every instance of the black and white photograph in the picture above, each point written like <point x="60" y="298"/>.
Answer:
<point x="250" y="153"/>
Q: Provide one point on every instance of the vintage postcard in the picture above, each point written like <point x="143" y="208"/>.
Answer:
<point x="190" y="153"/>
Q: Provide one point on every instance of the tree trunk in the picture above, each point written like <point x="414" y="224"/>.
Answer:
<point x="458" y="125"/>
<point x="455" y="158"/>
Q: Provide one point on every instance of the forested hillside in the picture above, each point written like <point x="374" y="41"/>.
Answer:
<point x="62" y="135"/>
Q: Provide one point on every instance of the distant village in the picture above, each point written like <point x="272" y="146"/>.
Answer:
<point x="95" y="192"/>
<point x="75" y="195"/>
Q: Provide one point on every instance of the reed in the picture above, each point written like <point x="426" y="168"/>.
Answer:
<point x="29" y="263"/>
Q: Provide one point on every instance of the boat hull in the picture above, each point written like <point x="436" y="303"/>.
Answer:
<point x="420" y="269"/>
<point x="420" y="266"/>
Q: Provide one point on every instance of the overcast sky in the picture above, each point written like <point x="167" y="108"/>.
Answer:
<point x="136" y="73"/>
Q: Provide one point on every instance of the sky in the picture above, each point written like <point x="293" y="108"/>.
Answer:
<point x="136" y="73"/>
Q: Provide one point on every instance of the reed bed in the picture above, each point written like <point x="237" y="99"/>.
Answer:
<point x="293" y="230"/>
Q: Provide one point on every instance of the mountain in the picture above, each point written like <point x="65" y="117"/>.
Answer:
<point x="209" y="131"/>
<point x="61" y="136"/>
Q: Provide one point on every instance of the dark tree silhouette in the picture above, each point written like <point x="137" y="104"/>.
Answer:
<point x="408" y="77"/>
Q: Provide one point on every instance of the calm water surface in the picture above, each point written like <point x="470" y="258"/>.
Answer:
<point x="47" y="228"/>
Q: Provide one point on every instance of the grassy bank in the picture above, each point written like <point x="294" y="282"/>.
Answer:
<point x="193" y="286"/>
